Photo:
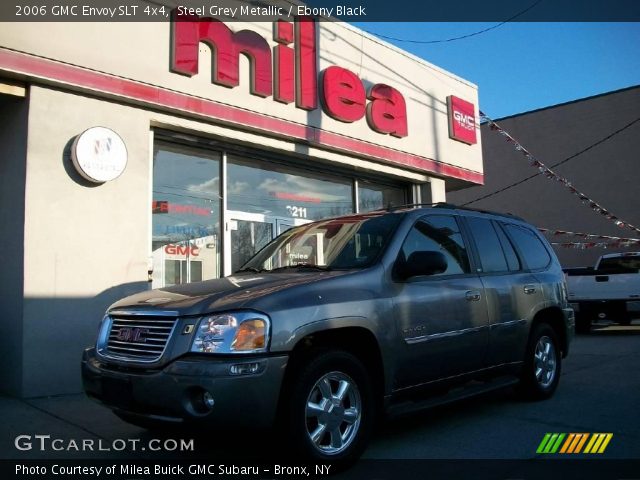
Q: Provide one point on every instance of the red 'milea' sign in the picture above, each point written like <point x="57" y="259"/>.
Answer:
<point x="291" y="75"/>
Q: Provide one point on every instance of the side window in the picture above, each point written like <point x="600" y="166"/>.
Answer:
<point x="512" y="258"/>
<point x="439" y="233"/>
<point x="492" y="257"/>
<point x="534" y="253"/>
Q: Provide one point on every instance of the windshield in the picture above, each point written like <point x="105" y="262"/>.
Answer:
<point x="339" y="243"/>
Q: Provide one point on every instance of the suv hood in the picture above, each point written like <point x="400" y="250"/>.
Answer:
<point x="236" y="291"/>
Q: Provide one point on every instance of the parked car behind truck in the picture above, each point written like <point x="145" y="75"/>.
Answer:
<point x="336" y="322"/>
<point x="609" y="290"/>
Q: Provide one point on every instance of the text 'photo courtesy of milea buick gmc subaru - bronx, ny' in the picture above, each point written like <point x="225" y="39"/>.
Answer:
<point x="323" y="331"/>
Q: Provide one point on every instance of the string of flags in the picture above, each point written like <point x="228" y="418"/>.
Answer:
<point x="602" y="241"/>
<point x="587" y="235"/>
<point x="547" y="172"/>
<point x="586" y="245"/>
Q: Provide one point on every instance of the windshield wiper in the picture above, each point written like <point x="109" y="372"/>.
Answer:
<point x="250" y="269"/>
<point x="312" y="266"/>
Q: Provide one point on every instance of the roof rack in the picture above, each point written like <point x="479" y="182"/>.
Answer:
<point x="452" y="207"/>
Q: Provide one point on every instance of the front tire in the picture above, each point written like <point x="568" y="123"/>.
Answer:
<point x="331" y="408"/>
<point x="542" y="364"/>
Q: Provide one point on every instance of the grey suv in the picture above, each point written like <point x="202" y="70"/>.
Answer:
<point x="336" y="322"/>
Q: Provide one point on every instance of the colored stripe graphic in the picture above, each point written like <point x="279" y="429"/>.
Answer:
<point x="543" y="443"/>
<point x="574" y="443"/>
<point x="569" y="441"/>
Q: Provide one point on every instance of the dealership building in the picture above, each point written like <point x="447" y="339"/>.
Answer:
<point x="142" y="155"/>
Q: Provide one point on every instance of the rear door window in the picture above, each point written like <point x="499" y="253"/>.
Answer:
<point x="492" y="258"/>
<point x="512" y="258"/>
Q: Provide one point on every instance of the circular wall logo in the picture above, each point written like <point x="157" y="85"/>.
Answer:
<point x="99" y="154"/>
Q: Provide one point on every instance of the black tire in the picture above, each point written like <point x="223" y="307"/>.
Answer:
<point x="147" y="423"/>
<point x="319" y="382"/>
<point x="542" y="364"/>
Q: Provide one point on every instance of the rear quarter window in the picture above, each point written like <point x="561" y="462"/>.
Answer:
<point x="529" y="245"/>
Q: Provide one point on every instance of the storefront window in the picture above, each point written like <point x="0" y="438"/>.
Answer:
<point x="266" y="199"/>
<point x="186" y="215"/>
<point x="374" y="196"/>
<point x="263" y="200"/>
<point x="266" y="188"/>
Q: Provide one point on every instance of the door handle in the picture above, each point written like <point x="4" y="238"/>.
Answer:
<point x="472" y="295"/>
<point x="529" y="289"/>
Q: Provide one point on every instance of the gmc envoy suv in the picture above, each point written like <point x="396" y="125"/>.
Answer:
<point x="336" y="322"/>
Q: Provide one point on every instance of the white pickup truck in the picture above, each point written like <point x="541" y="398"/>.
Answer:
<point x="611" y="290"/>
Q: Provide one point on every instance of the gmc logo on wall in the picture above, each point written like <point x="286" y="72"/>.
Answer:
<point x="462" y="120"/>
<point x="289" y="73"/>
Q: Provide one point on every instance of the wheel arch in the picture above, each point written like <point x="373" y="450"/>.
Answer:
<point x="553" y="317"/>
<point x="359" y="341"/>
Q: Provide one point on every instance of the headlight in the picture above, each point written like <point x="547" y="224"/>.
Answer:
<point x="103" y="333"/>
<point x="242" y="332"/>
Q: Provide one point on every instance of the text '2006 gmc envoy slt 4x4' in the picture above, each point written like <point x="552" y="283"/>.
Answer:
<point x="336" y="322"/>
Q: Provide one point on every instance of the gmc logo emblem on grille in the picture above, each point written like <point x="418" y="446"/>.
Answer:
<point x="127" y="334"/>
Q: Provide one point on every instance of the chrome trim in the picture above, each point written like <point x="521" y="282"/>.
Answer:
<point x="102" y="345"/>
<point x="436" y="336"/>
<point x="145" y="313"/>
<point x="138" y="325"/>
<point x="510" y="323"/>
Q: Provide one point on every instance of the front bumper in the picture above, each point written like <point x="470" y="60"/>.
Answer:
<point x="175" y="392"/>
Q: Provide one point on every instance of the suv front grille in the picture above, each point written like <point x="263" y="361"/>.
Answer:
<point x="138" y="337"/>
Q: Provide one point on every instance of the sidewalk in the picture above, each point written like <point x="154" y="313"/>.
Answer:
<point x="75" y="420"/>
<point x="67" y="417"/>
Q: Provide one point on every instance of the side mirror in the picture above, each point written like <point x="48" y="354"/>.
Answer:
<point x="422" y="263"/>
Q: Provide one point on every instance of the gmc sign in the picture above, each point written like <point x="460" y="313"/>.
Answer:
<point x="462" y="120"/>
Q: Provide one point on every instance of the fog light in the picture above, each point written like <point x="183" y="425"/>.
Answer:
<point x="207" y="400"/>
<point x="244" y="368"/>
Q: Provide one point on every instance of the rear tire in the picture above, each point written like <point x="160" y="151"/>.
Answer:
<point x="542" y="364"/>
<point x="330" y="408"/>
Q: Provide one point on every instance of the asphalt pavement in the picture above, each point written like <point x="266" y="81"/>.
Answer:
<point x="599" y="392"/>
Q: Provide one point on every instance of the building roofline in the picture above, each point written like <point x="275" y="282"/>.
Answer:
<point x="568" y="103"/>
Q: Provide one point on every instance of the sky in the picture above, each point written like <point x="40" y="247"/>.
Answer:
<point x="522" y="66"/>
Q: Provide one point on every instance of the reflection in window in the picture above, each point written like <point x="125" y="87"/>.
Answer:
<point x="257" y="186"/>
<point x="374" y="196"/>
<point x="343" y="243"/>
<point x="247" y="238"/>
<point x="186" y="215"/>
<point x="439" y="233"/>
<point x="534" y="252"/>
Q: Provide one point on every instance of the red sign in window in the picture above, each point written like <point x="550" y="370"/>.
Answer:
<point x="462" y="120"/>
